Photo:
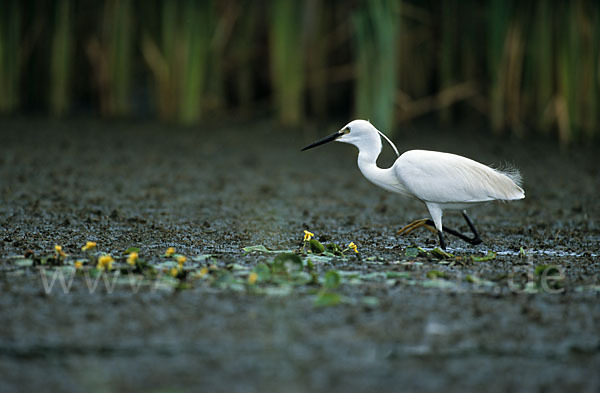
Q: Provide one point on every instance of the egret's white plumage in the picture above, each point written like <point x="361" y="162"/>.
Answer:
<point x="443" y="181"/>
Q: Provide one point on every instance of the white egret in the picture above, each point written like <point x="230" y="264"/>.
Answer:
<point x="442" y="181"/>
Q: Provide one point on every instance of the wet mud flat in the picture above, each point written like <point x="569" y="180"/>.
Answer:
<point x="394" y="318"/>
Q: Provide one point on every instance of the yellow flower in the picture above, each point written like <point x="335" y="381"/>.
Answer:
<point x="308" y="235"/>
<point x="252" y="278"/>
<point x="59" y="251"/>
<point x="353" y="247"/>
<point x="181" y="260"/>
<point x="78" y="264"/>
<point x="105" y="262"/>
<point x="174" y="272"/>
<point x="88" y="246"/>
<point x="170" y="251"/>
<point x="203" y="271"/>
<point x="132" y="258"/>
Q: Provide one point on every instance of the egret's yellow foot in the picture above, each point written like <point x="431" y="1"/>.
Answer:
<point x="415" y="225"/>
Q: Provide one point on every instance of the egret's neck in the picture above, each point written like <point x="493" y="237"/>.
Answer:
<point x="384" y="178"/>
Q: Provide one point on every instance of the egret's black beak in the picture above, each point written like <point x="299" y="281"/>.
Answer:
<point x="327" y="139"/>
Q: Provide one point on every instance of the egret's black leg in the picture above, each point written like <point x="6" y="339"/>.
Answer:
<point x="476" y="239"/>
<point x="472" y="240"/>
<point x="442" y="242"/>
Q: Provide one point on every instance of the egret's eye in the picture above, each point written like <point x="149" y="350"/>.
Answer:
<point x="346" y="131"/>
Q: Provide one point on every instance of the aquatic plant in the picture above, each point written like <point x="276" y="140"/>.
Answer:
<point x="62" y="58"/>
<point x="376" y="25"/>
<point x="525" y="66"/>
<point x="286" y="59"/>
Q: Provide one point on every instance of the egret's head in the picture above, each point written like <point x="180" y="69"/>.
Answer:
<point x="359" y="133"/>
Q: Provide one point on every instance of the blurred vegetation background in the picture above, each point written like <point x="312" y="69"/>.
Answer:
<point x="524" y="66"/>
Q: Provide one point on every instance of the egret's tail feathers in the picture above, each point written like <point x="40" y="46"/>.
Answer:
<point x="514" y="175"/>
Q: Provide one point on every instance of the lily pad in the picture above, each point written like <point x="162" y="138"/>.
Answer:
<point x="370" y="301"/>
<point x="203" y="257"/>
<point x="263" y="271"/>
<point x="25" y="262"/>
<point x="236" y="266"/>
<point x="332" y="279"/>
<point x="286" y="262"/>
<point x="280" y="290"/>
<point x="333" y="249"/>
<point x="261" y="248"/>
<point x="414" y="252"/>
<point x="441" y="284"/>
<point x="374" y="276"/>
<point x="327" y="299"/>
<point x="488" y="257"/>
<point x="435" y="274"/>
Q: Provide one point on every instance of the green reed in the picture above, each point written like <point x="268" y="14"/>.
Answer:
<point x="499" y="14"/>
<point x="244" y="47"/>
<point x="110" y="52"/>
<point x="527" y="66"/>
<point x="10" y="39"/>
<point x="179" y="60"/>
<point x="376" y="25"/>
<point x="193" y="52"/>
<point x="61" y="62"/>
<point x="287" y="59"/>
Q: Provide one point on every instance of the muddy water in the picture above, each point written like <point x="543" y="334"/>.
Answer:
<point x="215" y="190"/>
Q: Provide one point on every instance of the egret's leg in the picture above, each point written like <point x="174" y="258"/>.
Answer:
<point x="436" y="215"/>
<point x="424" y="223"/>
<point x="429" y="225"/>
<point x="442" y="242"/>
<point x="475" y="239"/>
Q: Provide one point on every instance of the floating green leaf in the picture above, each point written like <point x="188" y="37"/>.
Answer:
<point x="488" y="257"/>
<point x="286" y="262"/>
<point x="300" y="278"/>
<point x="332" y="279"/>
<point x="263" y="271"/>
<point x="204" y="257"/>
<point x="261" y="248"/>
<point x="441" y="284"/>
<point x="397" y="275"/>
<point x="321" y="258"/>
<point x="131" y="249"/>
<point x="25" y="262"/>
<point x="373" y="276"/>
<point x="441" y="254"/>
<point x="435" y="274"/>
<point x="333" y="249"/>
<point x="370" y="301"/>
<point x="415" y="251"/>
<point x="281" y="290"/>
<point x="326" y="299"/>
<point x="236" y="266"/>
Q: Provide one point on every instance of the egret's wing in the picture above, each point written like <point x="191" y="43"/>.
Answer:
<point x="448" y="178"/>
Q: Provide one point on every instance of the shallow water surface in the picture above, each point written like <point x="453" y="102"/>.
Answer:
<point x="420" y="322"/>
